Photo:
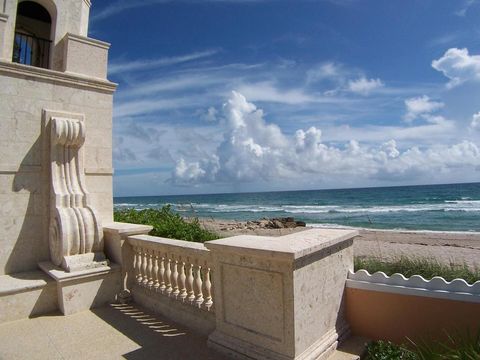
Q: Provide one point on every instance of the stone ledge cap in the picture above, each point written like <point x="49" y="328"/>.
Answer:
<point x="3" y="17"/>
<point x="154" y="241"/>
<point x="71" y="79"/>
<point x="99" y="171"/>
<point x="88" y="41"/>
<point x="126" y="229"/>
<point x="21" y="282"/>
<point x="60" y="275"/>
<point x="289" y="247"/>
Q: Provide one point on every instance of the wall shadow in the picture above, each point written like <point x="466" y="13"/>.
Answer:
<point x="31" y="244"/>
<point x="158" y="337"/>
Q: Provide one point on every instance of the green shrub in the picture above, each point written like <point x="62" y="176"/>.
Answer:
<point x="166" y="223"/>
<point x="385" y="350"/>
<point x="460" y="346"/>
<point x="418" y="266"/>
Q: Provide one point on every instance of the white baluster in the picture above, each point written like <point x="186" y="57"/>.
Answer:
<point x="139" y="266"/>
<point x="207" y="286"/>
<point x="181" y="280"/>
<point x="156" y="283"/>
<point x="135" y="263"/>
<point x="198" y="286"/>
<point x="144" y="268"/>
<point x="162" y="274"/>
<point x="175" y="289"/>
<point x="190" y="290"/>
<point x="168" y="277"/>
<point x="150" y="269"/>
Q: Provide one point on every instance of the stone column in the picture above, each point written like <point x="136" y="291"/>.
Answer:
<point x="281" y="298"/>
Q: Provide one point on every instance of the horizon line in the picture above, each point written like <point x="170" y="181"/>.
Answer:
<point x="299" y="190"/>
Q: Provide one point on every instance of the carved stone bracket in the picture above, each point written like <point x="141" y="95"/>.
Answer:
<point x="75" y="232"/>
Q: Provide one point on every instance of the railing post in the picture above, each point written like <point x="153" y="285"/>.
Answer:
<point x="119" y="251"/>
<point x="281" y="298"/>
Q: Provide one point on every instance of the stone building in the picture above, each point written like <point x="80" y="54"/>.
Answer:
<point x="55" y="145"/>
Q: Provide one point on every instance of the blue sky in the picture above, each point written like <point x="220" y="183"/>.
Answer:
<point x="258" y="95"/>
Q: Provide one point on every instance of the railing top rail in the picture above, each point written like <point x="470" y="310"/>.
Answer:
<point x="291" y="247"/>
<point x="155" y="242"/>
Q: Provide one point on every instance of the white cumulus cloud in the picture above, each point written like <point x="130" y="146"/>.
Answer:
<point x="475" y="124"/>
<point x="421" y="106"/>
<point x="459" y="66"/>
<point x="253" y="149"/>
<point x="190" y="172"/>
<point x="364" y="86"/>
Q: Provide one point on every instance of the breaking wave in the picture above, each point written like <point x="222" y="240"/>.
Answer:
<point x="205" y="208"/>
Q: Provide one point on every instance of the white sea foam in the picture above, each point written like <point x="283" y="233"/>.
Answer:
<point x="447" y="206"/>
<point x="331" y="226"/>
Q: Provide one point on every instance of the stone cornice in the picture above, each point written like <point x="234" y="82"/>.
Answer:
<point x="88" y="41"/>
<point x="6" y="169"/>
<point x="40" y="74"/>
<point x="99" y="171"/>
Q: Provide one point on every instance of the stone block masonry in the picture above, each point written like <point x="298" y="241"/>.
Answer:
<point x="281" y="298"/>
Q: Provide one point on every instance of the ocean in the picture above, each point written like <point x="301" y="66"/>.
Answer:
<point x="453" y="207"/>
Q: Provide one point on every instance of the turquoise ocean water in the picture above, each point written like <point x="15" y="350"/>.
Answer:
<point x="453" y="207"/>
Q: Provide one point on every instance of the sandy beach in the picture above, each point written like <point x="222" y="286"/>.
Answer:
<point x="445" y="247"/>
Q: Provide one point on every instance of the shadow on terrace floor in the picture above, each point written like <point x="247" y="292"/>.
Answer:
<point x="111" y="332"/>
<point x="158" y="337"/>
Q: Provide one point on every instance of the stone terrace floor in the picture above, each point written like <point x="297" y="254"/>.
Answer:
<point x="111" y="332"/>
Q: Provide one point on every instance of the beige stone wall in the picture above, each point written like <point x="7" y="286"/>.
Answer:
<point x="24" y="168"/>
<point x="322" y="283"/>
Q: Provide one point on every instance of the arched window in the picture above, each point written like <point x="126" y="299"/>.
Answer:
<point x="32" y="35"/>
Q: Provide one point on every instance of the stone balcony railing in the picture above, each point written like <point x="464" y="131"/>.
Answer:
<point x="180" y="270"/>
<point x="173" y="277"/>
<point x="254" y="297"/>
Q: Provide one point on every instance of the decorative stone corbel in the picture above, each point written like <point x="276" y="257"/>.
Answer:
<point x="75" y="233"/>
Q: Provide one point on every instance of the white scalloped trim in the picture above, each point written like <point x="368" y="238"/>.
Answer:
<point x="416" y="285"/>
